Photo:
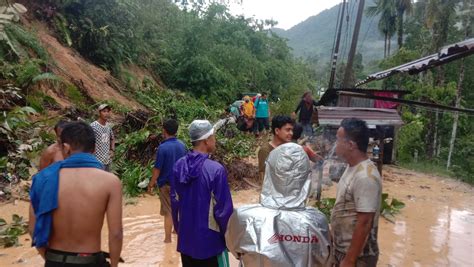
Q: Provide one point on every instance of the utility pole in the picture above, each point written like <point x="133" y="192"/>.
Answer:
<point x="336" y="48"/>
<point x="349" y="73"/>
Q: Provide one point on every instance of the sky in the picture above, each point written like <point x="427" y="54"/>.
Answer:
<point x="288" y="13"/>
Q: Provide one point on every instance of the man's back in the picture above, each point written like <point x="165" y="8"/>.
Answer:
<point x="85" y="196"/>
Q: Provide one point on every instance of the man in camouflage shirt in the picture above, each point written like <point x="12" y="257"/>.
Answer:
<point x="354" y="219"/>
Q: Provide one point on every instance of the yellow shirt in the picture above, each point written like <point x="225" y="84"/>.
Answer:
<point x="248" y="109"/>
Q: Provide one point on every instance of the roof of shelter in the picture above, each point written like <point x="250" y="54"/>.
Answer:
<point x="445" y="55"/>
<point x="373" y="116"/>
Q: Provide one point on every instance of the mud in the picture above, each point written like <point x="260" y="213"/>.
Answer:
<point x="434" y="229"/>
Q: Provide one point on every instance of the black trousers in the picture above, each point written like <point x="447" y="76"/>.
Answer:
<point x="191" y="262"/>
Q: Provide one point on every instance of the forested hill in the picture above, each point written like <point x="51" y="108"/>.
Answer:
<point x="314" y="37"/>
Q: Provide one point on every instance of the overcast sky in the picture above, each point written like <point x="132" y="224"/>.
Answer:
<point x="288" y="13"/>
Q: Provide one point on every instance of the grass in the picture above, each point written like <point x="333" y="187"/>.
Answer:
<point x="40" y="101"/>
<point x="27" y="40"/>
<point x="73" y="94"/>
<point x="428" y="168"/>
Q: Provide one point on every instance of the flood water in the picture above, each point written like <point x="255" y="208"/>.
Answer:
<point x="434" y="229"/>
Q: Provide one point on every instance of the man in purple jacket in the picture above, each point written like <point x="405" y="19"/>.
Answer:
<point x="201" y="201"/>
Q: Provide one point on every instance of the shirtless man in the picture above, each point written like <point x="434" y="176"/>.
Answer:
<point x="67" y="230"/>
<point x="53" y="153"/>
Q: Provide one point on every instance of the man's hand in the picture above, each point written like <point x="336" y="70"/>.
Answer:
<point x="154" y="178"/>
<point x="151" y="187"/>
<point x="293" y="115"/>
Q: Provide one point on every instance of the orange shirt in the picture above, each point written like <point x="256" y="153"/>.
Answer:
<point x="248" y="109"/>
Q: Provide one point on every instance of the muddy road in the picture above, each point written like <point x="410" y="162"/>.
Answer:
<point x="434" y="229"/>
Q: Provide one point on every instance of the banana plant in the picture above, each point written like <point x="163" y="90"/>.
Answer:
<point x="10" y="14"/>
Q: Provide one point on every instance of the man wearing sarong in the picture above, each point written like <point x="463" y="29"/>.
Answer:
<point x="201" y="201"/>
<point x="69" y="200"/>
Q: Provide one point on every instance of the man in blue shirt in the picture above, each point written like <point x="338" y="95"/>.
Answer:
<point x="169" y="151"/>
<point x="262" y="113"/>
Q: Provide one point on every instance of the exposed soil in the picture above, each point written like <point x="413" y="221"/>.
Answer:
<point x="94" y="82"/>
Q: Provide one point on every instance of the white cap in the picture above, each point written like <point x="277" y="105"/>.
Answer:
<point x="103" y="106"/>
<point x="200" y="130"/>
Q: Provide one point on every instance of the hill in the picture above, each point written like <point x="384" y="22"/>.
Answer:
<point x="314" y="37"/>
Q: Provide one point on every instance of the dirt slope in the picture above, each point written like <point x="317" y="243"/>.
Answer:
<point x="95" y="82"/>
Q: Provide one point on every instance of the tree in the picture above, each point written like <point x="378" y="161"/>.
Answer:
<point x="403" y="7"/>
<point x="467" y="20"/>
<point x="440" y="15"/>
<point x="387" y="9"/>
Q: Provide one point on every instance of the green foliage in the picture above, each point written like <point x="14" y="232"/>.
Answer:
<point x="410" y="137"/>
<point x="238" y="145"/>
<point x="47" y="76"/>
<point x="9" y="13"/>
<point x="130" y="170"/>
<point x="9" y="232"/>
<point x="26" y="40"/>
<point x="389" y="209"/>
<point x="22" y="139"/>
<point x="206" y="52"/>
<point x="464" y="159"/>
<point x="62" y="27"/>
<point x="326" y="205"/>
<point x="131" y="174"/>
<point x="167" y="103"/>
<point x="39" y="101"/>
<point x="73" y="94"/>
<point x="428" y="167"/>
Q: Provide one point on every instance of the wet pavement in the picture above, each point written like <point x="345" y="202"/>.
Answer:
<point x="434" y="229"/>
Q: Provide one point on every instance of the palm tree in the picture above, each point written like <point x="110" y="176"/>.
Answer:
<point x="387" y="9"/>
<point x="403" y="6"/>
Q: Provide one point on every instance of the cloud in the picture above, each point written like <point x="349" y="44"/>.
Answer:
<point x="288" y="13"/>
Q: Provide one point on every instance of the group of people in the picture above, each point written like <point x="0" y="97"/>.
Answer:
<point x="71" y="196"/>
<point x="253" y="114"/>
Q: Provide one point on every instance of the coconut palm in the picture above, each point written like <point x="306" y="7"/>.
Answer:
<point x="403" y="7"/>
<point x="387" y="9"/>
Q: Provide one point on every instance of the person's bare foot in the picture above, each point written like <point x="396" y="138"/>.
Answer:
<point x="167" y="240"/>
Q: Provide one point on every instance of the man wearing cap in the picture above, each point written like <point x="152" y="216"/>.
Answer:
<point x="104" y="137"/>
<point x="201" y="201"/>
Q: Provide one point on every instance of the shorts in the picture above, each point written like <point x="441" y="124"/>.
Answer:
<point x="221" y="260"/>
<point x="165" y="200"/>
<point x="364" y="261"/>
<point x="57" y="258"/>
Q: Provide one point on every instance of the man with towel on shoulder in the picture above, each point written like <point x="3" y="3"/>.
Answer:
<point x="69" y="200"/>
